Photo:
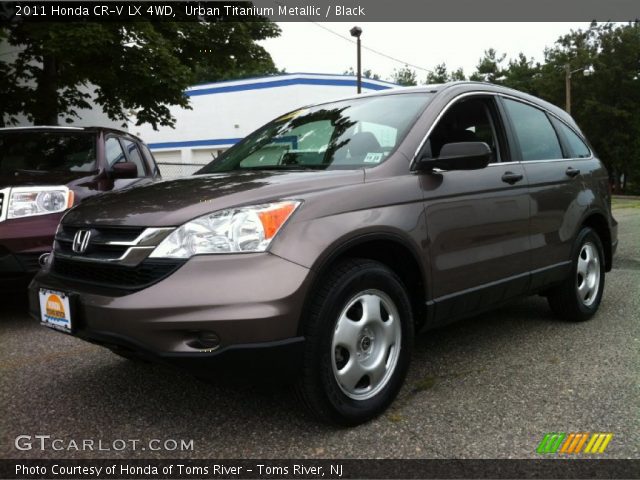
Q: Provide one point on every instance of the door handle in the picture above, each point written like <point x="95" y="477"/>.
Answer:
<point x="511" y="178"/>
<point x="572" y="172"/>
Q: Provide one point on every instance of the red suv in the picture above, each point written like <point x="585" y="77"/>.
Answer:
<point x="46" y="170"/>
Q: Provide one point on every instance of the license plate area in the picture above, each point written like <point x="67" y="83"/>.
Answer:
<point x="55" y="309"/>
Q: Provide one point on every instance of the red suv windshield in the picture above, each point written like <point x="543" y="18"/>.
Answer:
<point x="47" y="151"/>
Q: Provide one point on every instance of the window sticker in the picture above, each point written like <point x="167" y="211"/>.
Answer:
<point x="373" y="157"/>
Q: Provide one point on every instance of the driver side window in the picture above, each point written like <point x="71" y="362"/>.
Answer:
<point x="470" y="120"/>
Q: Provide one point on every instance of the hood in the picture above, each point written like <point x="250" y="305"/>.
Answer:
<point x="174" y="202"/>
<point x="44" y="178"/>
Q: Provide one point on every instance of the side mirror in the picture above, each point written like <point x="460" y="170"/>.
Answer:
<point x="124" y="170"/>
<point x="458" y="156"/>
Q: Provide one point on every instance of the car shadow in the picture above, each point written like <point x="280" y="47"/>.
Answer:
<point x="153" y="393"/>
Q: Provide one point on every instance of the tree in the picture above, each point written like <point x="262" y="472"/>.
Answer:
<point x="605" y="103"/>
<point x="489" y="67"/>
<point x="365" y="74"/>
<point x="522" y="74"/>
<point x="404" y="76"/>
<point x="440" y="74"/>
<point x="143" y="66"/>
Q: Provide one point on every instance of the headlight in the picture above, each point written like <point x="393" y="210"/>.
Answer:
<point x="236" y="230"/>
<point x="30" y="201"/>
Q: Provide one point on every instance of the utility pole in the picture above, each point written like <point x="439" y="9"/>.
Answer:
<point x="567" y="88"/>
<point x="356" y="32"/>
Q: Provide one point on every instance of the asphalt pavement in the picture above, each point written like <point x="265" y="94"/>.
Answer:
<point x="488" y="387"/>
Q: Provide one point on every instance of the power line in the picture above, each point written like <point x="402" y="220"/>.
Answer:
<point x="372" y="50"/>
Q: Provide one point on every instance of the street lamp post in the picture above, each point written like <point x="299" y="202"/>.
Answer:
<point x="567" y="83"/>
<point x="356" y="32"/>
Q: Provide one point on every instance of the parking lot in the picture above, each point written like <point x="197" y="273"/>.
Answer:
<point x="489" y="387"/>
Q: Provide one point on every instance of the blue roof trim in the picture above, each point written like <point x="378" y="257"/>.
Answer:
<point x="212" y="142"/>
<point x="391" y="84"/>
<point x="291" y="75"/>
<point x="284" y="83"/>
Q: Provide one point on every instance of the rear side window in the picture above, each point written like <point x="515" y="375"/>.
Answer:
<point x="537" y="138"/>
<point x="577" y="148"/>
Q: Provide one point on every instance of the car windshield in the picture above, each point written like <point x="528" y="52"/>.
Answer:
<point x="348" y="134"/>
<point x="40" y="151"/>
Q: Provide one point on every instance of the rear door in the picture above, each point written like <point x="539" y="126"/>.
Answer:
<point x="477" y="220"/>
<point x="554" y="186"/>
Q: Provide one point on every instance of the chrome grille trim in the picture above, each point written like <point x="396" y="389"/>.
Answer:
<point x="149" y="237"/>
<point x="128" y="253"/>
<point x="130" y="258"/>
<point x="4" y="203"/>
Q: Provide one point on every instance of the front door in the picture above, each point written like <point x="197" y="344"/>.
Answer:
<point x="477" y="220"/>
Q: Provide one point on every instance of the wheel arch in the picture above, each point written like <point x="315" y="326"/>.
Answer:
<point x="389" y="249"/>
<point x="596" y="220"/>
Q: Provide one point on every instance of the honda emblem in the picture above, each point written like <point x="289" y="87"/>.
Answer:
<point x="81" y="241"/>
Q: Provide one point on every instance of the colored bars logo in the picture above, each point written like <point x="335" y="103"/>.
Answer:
<point x="574" y="443"/>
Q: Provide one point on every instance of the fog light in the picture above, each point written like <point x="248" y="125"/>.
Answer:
<point x="205" y="340"/>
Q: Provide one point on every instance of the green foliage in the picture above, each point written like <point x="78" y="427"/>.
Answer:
<point x="489" y="67"/>
<point x="404" y="76"/>
<point x="605" y="103"/>
<point x="440" y="74"/>
<point x="365" y="74"/>
<point x="142" y="67"/>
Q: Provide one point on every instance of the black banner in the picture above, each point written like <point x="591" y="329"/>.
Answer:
<point x="324" y="10"/>
<point x="316" y="469"/>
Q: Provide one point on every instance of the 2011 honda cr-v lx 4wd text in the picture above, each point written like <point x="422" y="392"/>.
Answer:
<point x="325" y="239"/>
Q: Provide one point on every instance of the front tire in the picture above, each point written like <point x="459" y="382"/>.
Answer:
<point x="578" y="297"/>
<point x="359" y="331"/>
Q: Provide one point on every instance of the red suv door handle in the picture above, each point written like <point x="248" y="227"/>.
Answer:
<point x="511" y="178"/>
<point x="572" y="172"/>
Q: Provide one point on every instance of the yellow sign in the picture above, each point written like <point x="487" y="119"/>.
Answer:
<point x="55" y="307"/>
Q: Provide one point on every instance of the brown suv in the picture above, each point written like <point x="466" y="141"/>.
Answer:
<point x="321" y="242"/>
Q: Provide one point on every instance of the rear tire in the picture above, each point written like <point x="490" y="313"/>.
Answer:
<point x="578" y="297"/>
<point x="359" y="332"/>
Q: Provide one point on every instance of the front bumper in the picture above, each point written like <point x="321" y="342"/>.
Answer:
<point x="16" y="270"/>
<point x="252" y="302"/>
<point x="22" y="242"/>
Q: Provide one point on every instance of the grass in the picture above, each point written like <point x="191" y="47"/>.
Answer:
<point x="625" y="202"/>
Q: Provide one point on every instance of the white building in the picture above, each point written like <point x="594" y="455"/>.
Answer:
<point x="225" y="112"/>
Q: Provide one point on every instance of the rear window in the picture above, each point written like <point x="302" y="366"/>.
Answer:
<point x="47" y="151"/>
<point x="577" y="148"/>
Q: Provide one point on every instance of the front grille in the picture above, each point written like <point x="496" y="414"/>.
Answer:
<point x="115" y="276"/>
<point x="98" y="248"/>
